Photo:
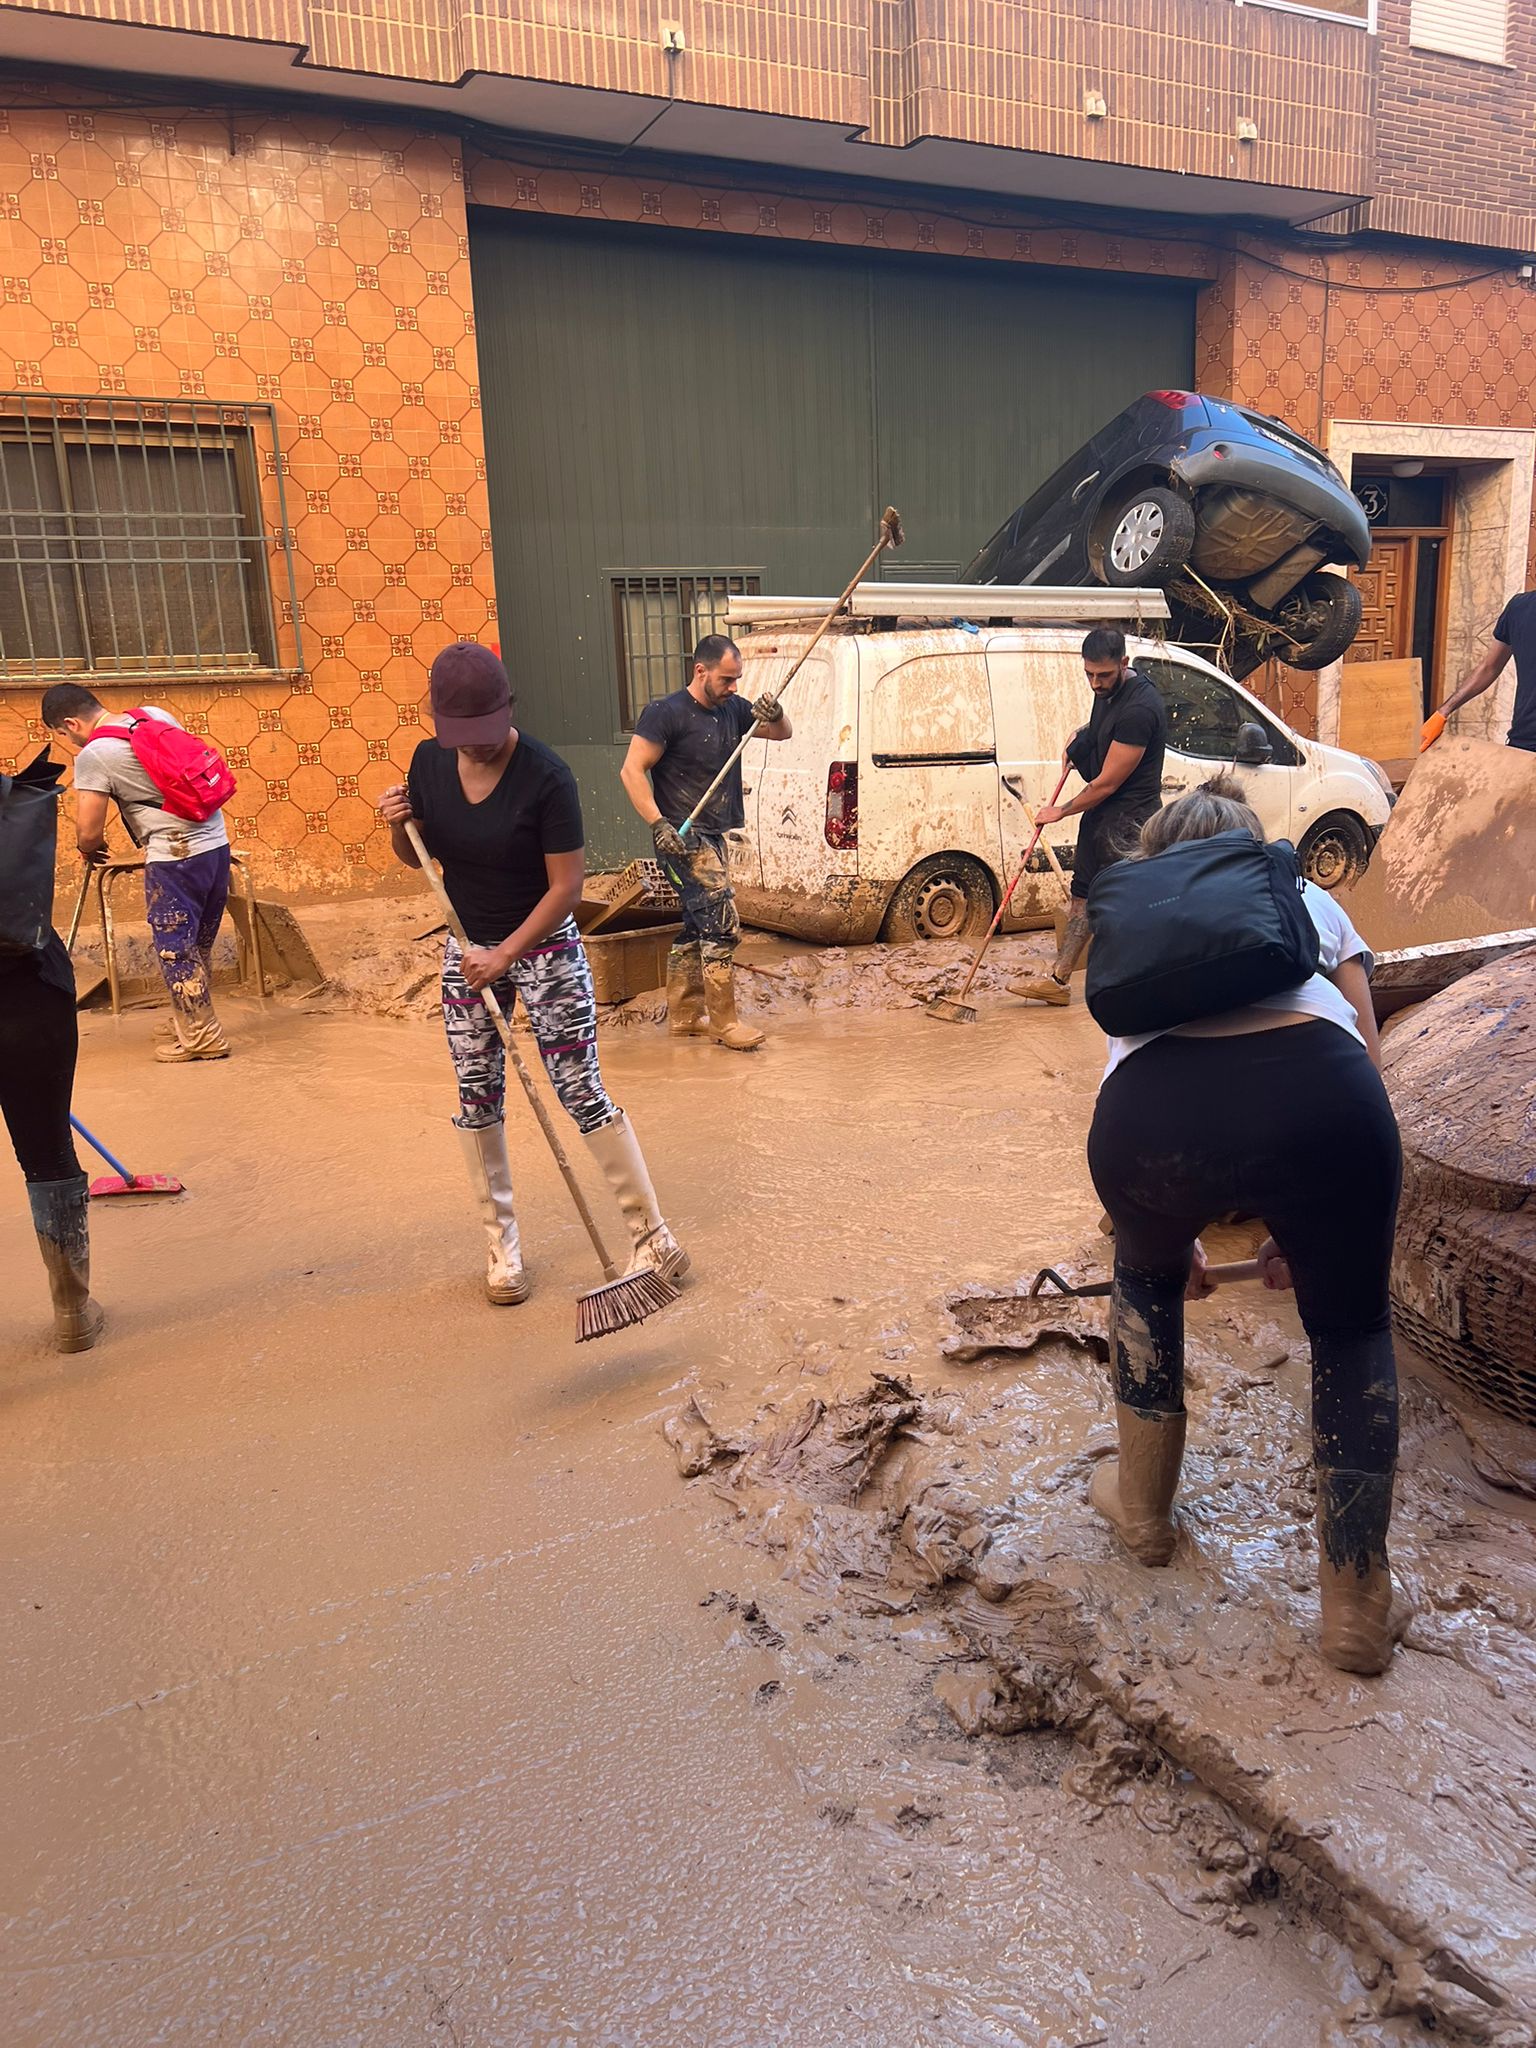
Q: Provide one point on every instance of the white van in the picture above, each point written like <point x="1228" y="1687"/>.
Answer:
<point x="887" y="816"/>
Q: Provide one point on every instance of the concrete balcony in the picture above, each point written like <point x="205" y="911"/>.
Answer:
<point x="1180" y="106"/>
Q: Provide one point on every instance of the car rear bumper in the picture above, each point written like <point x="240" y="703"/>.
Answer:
<point x="1316" y="498"/>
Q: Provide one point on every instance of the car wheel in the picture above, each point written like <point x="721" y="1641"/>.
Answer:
<point x="948" y="897"/>
<point x="1334" y="851"/>
<point x="1321" y="616"/>
<point x="1150" y="539"/>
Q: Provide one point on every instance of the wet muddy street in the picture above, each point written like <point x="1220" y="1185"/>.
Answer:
<point x="385" y="1669"/>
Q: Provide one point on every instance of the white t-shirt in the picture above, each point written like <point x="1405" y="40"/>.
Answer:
<point x="111" y="768"/>
<point x="1338" y="941"/>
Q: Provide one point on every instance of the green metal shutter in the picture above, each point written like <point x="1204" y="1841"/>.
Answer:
<point x="656" y="400"/>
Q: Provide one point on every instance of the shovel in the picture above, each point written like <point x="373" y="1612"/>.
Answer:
<point x="1048" y="1281"/>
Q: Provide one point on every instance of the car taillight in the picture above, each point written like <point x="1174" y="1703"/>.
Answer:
<point x="1175" y="400"/>
<point x="843" y="805"/>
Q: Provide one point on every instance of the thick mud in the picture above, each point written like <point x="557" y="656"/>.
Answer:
<point x="374" y="1677"/>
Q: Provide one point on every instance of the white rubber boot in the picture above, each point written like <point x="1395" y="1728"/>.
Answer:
<point x="617" y="1151"/>
<point x="490" y="1175"/>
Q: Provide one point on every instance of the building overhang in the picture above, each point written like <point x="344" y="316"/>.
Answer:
<point x="611" y="123"/>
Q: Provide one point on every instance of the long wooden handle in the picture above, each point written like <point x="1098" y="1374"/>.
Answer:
<point x="890" y="537"/>
<point x="1018" y="876"/>
<point x="1240" y="1269"/>
<point x="74" y="923"/>
<point x="451" y="918"/>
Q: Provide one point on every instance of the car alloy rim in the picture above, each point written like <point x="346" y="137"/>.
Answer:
<point x="1137" y="536"/>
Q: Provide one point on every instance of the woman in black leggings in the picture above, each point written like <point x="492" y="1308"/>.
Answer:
<point x="39" y="1037"/>
<point x="1276" y="1110"/>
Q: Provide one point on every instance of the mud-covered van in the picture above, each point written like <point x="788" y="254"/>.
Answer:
<point x="887" y="814"/>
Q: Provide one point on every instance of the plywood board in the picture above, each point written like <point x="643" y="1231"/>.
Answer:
<point x="1381" y="707"/>
<point x="1458" y="857"/>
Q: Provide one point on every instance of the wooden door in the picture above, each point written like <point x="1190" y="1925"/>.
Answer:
<point x="1386" y="593"/>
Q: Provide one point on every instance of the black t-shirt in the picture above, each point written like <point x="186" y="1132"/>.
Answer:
<point x="1517" y="629"/>
<point x="697" y="743"/>
<point x="492" y="853"/>
<point x="1134" y="715"/>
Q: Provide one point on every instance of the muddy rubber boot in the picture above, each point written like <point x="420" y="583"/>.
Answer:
<point x="1361" y="1623"/>
<point x="490" y="1175"/>
<point x="1134" y="1492"/>
<point x="198" y="1035"/>
<point x="685" y="993"/>
<point x="1046" y="990"/>
<point x="720" y="995"/>
<point x="617" y="1151"/>
<point x="64" y="1239"/>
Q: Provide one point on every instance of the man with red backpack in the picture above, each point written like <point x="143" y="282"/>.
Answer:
<point x="169" y="787"/>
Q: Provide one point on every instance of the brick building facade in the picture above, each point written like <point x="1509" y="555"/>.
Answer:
<point x="251" y="255"/>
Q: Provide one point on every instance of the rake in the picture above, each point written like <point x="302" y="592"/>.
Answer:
<point x="623" y="1299"/>
<point x="123" y="1182"/>
<point x="955" y="1009"/>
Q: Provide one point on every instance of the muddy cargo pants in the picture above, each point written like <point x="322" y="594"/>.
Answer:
<point x="710" y="919"/>
<point x="184" y="901"/>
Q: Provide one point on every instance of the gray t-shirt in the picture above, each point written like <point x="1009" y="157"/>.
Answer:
<point x="111" y="768"/>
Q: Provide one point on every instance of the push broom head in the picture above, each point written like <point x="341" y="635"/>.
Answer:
<point x="949" y="1010"/>
<point x="136" y="1184"/>
<point x="620" y="1304"/>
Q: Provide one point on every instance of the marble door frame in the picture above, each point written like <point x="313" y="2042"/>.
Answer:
<point x="1490" y="543"/>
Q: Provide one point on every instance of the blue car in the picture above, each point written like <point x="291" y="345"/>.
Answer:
<point x="1233" y="514"/>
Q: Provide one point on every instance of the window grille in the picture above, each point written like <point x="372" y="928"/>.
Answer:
<point x="659" y="617"/>
<point x="131" y="538"/>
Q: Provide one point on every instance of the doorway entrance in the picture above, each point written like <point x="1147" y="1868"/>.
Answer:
<point x="1403" y="586"/>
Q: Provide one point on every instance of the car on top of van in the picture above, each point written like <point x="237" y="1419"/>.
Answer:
<point x="1179" y="482"/>
<point x="889" y="814"/>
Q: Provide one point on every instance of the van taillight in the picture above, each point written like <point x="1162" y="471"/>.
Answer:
<point x="843" y="804"/>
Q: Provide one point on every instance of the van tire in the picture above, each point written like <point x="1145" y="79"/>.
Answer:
<point x="1334" y="852"/>
<point x="948" y="896"/>
<point x="1154" y="534"/>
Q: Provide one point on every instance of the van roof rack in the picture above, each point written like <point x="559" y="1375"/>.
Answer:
<point x="1031" y="603"/>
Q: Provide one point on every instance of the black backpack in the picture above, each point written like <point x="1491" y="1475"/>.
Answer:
<point x="1206" y="926"/>
<point x="29" y="830"/>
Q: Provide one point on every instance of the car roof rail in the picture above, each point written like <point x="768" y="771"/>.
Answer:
<point x="1035" y="604"/>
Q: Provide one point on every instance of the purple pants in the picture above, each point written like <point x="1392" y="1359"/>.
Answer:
<point x="185" y="901"/>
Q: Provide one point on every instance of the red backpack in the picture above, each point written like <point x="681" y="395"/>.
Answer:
<point x="194" y="779"/>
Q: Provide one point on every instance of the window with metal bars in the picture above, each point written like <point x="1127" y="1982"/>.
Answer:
<point x="131" y="538"/>
<point x="659" y="617"/>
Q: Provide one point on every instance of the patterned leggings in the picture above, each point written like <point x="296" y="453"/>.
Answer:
<point x="555" y="984"/>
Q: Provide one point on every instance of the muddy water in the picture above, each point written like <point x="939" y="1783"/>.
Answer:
<point x="373" y="1677"/>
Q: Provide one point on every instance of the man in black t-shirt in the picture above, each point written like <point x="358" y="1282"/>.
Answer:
<point x="1119" y="755"/>
<point x="680" y="745"/>
<point x="1514" y="634"/>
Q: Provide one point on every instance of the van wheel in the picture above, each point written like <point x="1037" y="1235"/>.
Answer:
<point x="1335" y="851"/>
<point x="947" y="897"/>
<point x="1150" y="540"/>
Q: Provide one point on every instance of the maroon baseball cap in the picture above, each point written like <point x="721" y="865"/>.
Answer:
<point x="471" y="697"/>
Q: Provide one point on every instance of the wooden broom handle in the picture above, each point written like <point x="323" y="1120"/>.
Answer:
<point x="891" y="536"/>
<point x="451" y="918"/>
<point x="1018" y="876"/>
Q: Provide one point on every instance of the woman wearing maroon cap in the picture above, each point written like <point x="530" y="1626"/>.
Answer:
<point x="500" y="814"/>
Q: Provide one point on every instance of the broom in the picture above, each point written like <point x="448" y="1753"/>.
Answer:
<point x="624" y="1299"/>
<point x="891" y="536"/>
<point x="955" y="1009"/>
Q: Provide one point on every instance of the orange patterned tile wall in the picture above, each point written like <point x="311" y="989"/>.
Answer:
<point x="323" y="269"/>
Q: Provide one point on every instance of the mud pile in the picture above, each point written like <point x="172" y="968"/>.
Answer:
<point x="951" y="1518"/>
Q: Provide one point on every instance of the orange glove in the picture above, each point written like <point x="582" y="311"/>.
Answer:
<point x="1434" y="725"/>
